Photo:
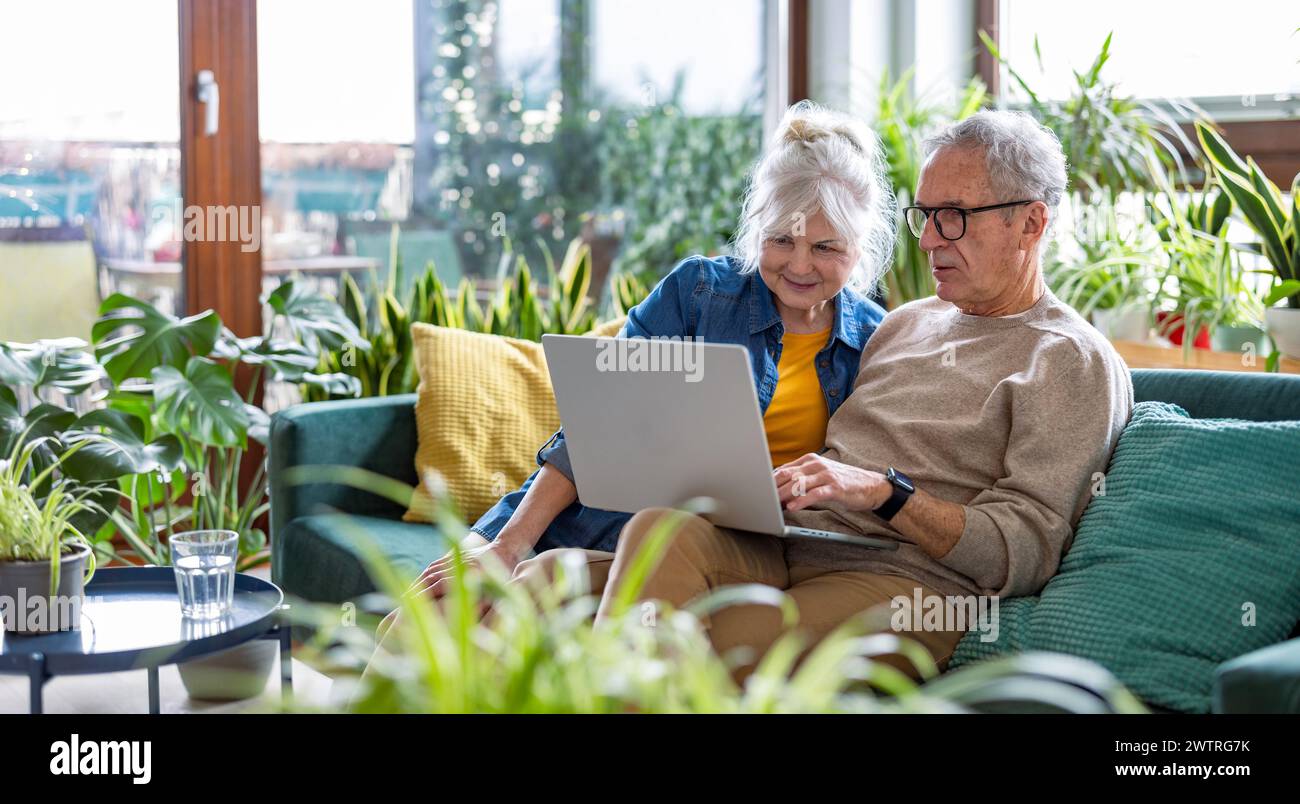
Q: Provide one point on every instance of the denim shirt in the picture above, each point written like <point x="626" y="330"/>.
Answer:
<point x="713" y="300"/>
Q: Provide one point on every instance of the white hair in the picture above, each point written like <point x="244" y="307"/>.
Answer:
<point x="822" y="161"/>
<point x="1023" y="157"/>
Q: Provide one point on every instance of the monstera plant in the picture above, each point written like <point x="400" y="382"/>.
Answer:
<point x="174" y="379"/>
<point x="164" y="442"/>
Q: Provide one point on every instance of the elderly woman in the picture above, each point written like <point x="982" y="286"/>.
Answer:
<point x="815" y="235"/>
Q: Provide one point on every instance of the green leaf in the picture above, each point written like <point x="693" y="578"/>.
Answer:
<point x="132" y="338"/>
<point x="115" y="446"/>
<point x="201" y="404"/>
<point x="259" y="424"/>
<point x="44" y="421"/>
<point x="314" y="317"/>
<point x="1219" y="213"/>
<point x="287" y="360"/>
<point x="60" y="363"/>
<point x="1285" y="288"/>
<point x="137" y="402"/>
<point x="1219" y="152"/>
<point x="150" y="494"/>
<point x="354" y="303"/>
<point x="1256" y="212"/>
<point x="336" y="383"/>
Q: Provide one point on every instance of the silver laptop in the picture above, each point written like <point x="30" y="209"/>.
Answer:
<point x="657" y="422"/>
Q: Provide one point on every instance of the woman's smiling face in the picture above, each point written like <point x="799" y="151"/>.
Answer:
<point x="806" y="270"/>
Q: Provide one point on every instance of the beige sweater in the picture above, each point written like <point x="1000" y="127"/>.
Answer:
<point x="1009" y="417"/>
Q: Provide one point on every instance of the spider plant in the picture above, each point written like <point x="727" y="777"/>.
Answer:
<point x="1204" y="282"/>
<point x="1111" y="263"/>
<point x="38" y="509"/>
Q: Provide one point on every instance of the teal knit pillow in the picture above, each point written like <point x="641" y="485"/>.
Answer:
<point x="1190" y="558"/>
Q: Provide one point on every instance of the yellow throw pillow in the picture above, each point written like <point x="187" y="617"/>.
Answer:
<point x="483" y="409"/>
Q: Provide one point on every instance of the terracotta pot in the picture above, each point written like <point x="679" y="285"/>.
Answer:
<point x="1173" y="330"/>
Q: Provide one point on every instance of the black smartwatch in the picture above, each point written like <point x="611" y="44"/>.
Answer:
<point x="903" y="489"/>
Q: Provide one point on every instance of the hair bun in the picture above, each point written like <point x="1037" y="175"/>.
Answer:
<point x="804" y="126"/>
<point x="802" y="129"/>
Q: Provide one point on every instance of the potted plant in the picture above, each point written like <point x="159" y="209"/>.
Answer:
<point x="1108" y="270"/>
<point x="45" y="559"/>
<point x="1205" y="284"/>
<point x="174" y="379"/>
<point x="1275" y="222"/>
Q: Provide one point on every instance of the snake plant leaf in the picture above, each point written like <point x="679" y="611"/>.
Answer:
<point x="354" y="303"/>
<point x="132" y="338"/>
<point x="1219" y="212"/>
<point x="1295" y="232"/>
<point x="201" y="403"/>
<point x="468" y="310"/>
<point x="115" y="446"/>
<point x="576" y="276"/>
<point x="313" y="316"/>
<point x="1255" y="209"/>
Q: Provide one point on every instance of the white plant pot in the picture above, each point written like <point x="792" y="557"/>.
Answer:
<point x="1283" y="325"/>
<point x="234" y="674"/>
<point x="1123" y="324"/>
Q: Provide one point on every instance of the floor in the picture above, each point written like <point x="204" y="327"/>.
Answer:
<point x="128" y="693"/>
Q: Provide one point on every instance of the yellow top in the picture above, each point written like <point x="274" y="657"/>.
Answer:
<point x="796" y="418"/>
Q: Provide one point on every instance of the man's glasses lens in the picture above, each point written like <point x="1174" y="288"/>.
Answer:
<point x="950" y="222"/>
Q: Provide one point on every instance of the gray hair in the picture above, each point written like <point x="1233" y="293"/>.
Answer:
<point x="821" y="160"/>
<point x="1023" y="157"/>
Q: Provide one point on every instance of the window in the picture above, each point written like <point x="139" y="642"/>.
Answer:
<point x="477" y="124"/>
<point x="89" y="162"/>
<point x="1243" y="64"/>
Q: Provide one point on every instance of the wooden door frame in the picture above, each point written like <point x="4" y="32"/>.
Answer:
<point x="224" y="169"/>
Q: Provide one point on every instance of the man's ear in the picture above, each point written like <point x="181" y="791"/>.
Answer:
<point x="1035" y="227"/>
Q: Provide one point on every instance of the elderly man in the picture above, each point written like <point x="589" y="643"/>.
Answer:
<point x="973" y="433"/>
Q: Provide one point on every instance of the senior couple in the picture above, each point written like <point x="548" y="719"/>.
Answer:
<point x="967" y="426"/>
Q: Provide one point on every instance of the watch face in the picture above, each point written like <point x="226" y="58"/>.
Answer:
<point x="901" y="480"/>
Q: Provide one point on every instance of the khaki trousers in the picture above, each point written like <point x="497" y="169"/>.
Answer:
<point x="702" y="557"/>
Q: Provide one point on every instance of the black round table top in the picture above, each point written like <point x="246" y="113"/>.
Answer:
<point x="131" y="619"/>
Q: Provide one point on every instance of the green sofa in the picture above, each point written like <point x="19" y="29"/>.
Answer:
<point x="314" y="527"/>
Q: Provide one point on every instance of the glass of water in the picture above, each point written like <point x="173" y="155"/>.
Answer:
<point x="204" y="561"/>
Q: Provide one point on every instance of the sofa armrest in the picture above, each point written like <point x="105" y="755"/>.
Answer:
<point x="1262" y="681"/>
<point x="377" y="433"/>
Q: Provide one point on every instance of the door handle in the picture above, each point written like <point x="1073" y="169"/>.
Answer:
<point x="209" y="94"/>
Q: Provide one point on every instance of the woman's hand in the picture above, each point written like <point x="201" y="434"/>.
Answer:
<point x="474" y="553"/>
<point x="814" y="479"/>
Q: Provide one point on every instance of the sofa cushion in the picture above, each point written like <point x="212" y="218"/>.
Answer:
<point x="1191" y="557"/>
<point x="322" y="557"/>
<point x="483" y="408"/>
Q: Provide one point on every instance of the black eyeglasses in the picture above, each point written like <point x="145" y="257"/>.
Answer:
<point x="948" y="219"/>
